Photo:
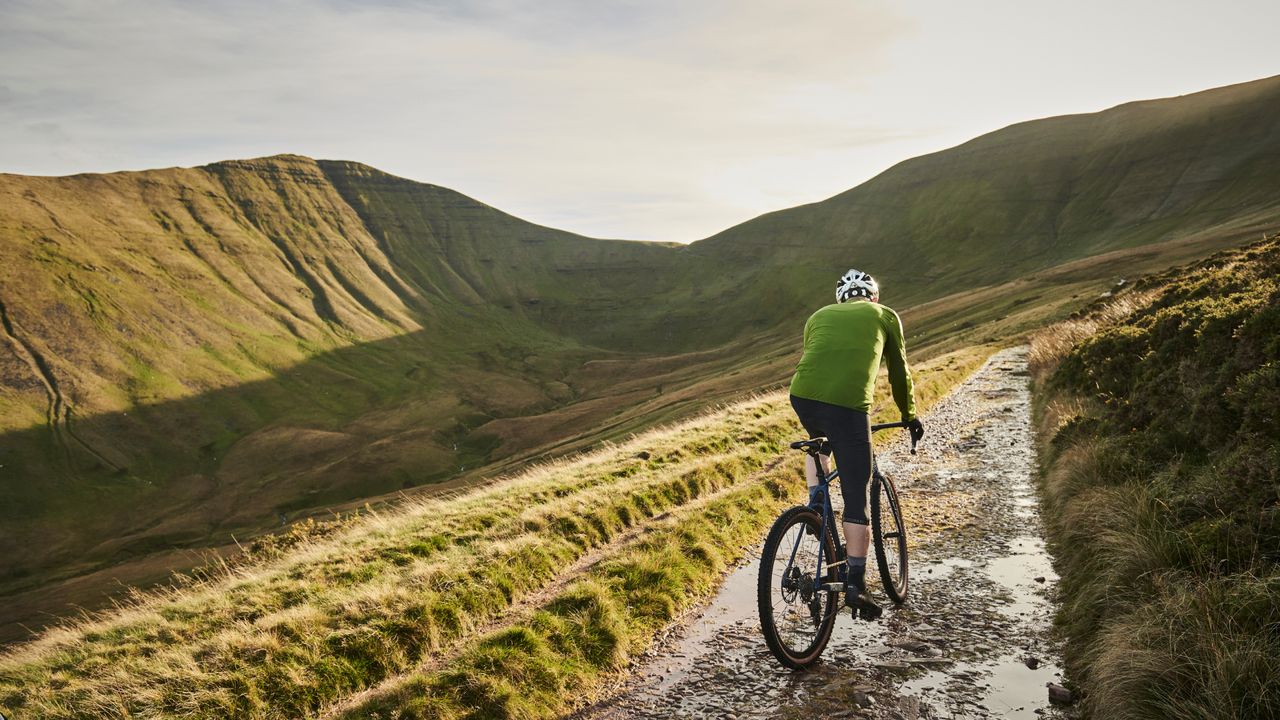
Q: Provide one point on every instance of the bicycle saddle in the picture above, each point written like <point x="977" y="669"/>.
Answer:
<point x="813" y="446"/>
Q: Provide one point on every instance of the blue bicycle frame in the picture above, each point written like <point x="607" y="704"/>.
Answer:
<point x="820" y="501"/>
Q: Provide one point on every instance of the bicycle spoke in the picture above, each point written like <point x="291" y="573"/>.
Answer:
<point x="891" y="540"/>
<point x="796" y="610"/>
<point x="793" y="616"/>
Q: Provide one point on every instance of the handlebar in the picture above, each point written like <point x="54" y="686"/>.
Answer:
<point x="819" y="444"/>
<point x="888" y="426"/>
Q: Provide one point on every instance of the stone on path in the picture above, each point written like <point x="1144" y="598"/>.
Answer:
<point x="909" y="644"/>
<point x="1059" y="695"/>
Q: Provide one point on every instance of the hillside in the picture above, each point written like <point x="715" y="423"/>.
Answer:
<point x="1161" y="483"/>
<point x="156" y="319"/>
<point x="1034" y="195"/>
<point x="193" y="353"/>
<point x="509" y="600"/>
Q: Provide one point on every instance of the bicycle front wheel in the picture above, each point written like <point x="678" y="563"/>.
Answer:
<point x="796" y="611"/>
<point x="889" y="535"/>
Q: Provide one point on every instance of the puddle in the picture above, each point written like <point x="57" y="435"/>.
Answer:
<point x="1017" y="573"/>
<point x="942" y="569"/>
<point x="1008" y="688"/>
<point x="1026" y="506"/>
<point x="735" y="606"/>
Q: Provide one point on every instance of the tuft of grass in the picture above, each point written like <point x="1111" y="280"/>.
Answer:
<point x="1204" y="649"/>
<point x="1160" y="415"/>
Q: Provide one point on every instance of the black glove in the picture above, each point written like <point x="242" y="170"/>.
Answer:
<point x="917" y="431"/>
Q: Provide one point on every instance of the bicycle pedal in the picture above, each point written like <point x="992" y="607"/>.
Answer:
<point x="869" y="615"/>
<point x="833" y="586"/>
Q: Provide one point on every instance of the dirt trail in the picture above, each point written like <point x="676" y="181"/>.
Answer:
<point x="973" y="639"/>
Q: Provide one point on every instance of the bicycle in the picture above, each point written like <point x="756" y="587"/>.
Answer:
<point x="805" y="536"/>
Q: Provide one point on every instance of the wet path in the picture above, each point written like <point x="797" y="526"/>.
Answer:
<point x="971" y="642"/>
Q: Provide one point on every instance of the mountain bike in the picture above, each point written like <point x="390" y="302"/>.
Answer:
<point x="802" y="565"/>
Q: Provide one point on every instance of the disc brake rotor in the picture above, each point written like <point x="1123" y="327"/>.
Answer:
<point x="790" y="584"/>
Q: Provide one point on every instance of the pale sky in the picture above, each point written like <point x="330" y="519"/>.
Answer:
<point x="646" y="119"/>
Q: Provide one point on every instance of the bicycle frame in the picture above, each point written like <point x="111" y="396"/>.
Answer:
<point x="827" y="514"/>
<point x="828" y="520"/>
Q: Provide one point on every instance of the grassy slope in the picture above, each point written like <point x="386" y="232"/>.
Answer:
<point x="1161" y="413"/>
<point x="189" y="353"/>
<point x="1032" y="196"/>
<point x="212" y="337"/>
<point x="317" y="617"/>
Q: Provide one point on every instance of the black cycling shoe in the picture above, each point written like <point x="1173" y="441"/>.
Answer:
<point x="861" y="604"/>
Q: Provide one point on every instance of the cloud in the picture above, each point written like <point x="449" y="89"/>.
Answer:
<point x="662" y="119"/>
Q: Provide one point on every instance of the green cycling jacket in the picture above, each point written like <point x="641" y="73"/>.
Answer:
<point x="843" y="345"/>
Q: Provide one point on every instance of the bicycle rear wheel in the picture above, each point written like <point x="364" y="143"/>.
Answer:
<point x="889" y="535"/>
<point x="796" y="613"/>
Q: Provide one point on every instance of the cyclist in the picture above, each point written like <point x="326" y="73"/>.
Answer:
<point x="831" y="393"/>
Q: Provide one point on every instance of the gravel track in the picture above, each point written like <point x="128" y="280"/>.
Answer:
<point x="973" y="639"/>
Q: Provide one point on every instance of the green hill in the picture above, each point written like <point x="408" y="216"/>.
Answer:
<point x="191" y="353"/>
<point x="1031" y="196"/>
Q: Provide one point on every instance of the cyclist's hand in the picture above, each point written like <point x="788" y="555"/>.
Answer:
<point x="917" y="431"/>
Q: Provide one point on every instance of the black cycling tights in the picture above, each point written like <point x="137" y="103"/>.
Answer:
<point x="849" y="432"/>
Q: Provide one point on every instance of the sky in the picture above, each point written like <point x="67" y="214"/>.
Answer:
<point x="649" y="119"/>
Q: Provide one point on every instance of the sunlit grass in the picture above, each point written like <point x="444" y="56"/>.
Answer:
<point x="328" y="610"/>
<point x="1157" y="413"/>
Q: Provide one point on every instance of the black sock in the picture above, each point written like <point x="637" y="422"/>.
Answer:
<point x="857" y="572"/>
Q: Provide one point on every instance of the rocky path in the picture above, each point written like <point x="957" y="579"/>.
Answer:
<point x="973" y="639"/>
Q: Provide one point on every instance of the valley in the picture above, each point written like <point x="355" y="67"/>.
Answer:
<point x="195" y="356"/>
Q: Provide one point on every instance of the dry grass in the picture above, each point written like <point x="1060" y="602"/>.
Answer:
<point x="1050" y="344"/>
<point x="1159" y="487"/>
<point x="334" y="614"/>
<point x="550" y="658"/>
<point x="320" y="616"/>
<point x="1182" y="657"/>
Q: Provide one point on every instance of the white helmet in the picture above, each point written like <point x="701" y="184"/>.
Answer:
<point x="856" y="283"/>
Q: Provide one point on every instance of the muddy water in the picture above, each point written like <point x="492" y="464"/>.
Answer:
<point x="973" y="639"/>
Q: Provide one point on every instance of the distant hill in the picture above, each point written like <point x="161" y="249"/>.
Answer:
<point x="1028" y="197"/>
<point x="194" y="352"/>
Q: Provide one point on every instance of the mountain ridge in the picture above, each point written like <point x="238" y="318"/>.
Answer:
<point x="192" y="352"/>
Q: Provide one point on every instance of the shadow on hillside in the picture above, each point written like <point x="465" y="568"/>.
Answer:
<point x="386" y="416"/>
<point x="352" y="423"/>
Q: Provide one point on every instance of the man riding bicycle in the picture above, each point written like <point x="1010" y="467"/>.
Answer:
<point x="831" y="393"/>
